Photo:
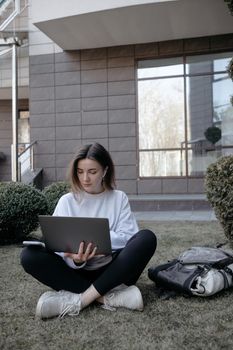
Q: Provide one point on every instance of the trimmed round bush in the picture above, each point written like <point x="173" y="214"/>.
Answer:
<point x="54" y="192"/>
<point x="20" y="206"/>
<point x="219" y="191"/>
<point x="213" y="134"/>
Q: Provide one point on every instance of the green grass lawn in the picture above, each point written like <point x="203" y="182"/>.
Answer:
<point x="178" y="323"/>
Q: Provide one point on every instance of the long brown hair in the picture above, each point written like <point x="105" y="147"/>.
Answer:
<point x="96" y="152"/>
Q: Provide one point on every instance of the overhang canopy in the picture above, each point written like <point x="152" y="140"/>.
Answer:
<point x="143" y="22"/>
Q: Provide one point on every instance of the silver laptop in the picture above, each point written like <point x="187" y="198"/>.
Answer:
<point x="65" y="233"/>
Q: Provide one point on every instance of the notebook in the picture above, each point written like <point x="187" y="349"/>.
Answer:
<point x="65" y="233"/>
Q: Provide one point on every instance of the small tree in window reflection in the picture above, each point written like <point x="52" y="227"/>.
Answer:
<point x="213" y="134"/>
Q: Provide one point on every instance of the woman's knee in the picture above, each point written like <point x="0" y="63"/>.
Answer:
<point x="29" y="258"/>
<point x="149" y="238"/>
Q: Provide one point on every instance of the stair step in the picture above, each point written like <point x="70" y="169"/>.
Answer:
<point x="33" y="178"/>
<point x="169" y="202"/>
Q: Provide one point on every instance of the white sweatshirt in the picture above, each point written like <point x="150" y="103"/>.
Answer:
<point x="112" y="204"/>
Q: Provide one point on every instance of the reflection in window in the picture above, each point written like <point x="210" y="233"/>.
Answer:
<point x="160" y="68"/>
<point x="223" y="116"/>
<point x="161" y="163"/>
<point x="163" y="121"/>
<point x="177" y="102"/>
<point x="23" y="130"/>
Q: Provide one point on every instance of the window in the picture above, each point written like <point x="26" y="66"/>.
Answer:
<point x="23" y="130"/>
<point x="178" y="99"/>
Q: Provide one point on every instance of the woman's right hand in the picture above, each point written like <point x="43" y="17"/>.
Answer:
<point x="83" y="254"/>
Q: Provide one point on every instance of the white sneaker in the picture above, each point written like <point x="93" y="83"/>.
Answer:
<point x="123" y="296"/>
<point x="61" y="303"/>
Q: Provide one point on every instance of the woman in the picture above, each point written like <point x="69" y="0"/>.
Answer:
<point x="82" y="278"/>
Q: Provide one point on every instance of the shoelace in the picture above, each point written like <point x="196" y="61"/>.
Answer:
<point x="108" y="307"/>
<point x="70" y="309"/>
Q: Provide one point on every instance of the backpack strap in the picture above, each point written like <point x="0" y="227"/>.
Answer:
<point x="226" y="283"/>
<point x="223" y="263"/>
<point x="220" y="245"/>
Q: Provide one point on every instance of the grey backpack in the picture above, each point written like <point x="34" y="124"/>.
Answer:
<point x="200" y="271"/>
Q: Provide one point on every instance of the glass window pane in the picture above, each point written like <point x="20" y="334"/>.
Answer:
<point x="198" y="162"/>
<point x="160" y="68"/>
<point x="223" y="110"/>
<point x="5" y="67"/>
<point x="208" y="102"/>
<point x="23" y="131"/>
<point x="208" y="63"/>
<point x="200" y="107"/>
<point x="220" y="65"/>
<point x="227" y="151"/>
<point x="161" y="163"/>
<point x="161" y="113"/>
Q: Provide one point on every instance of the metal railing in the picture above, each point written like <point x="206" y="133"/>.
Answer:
<point x="26" y="159"/>
<point x="11" y="15"/>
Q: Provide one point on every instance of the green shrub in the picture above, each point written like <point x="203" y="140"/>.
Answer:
<point x="54" y="192"/>
<point x="20" y="206"/>
<point x="219" y="191"/>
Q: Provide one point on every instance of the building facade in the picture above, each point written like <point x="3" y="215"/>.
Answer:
<point x="144" y="80"/>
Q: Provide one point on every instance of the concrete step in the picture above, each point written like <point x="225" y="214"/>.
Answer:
<point x="166" y="202"/>
<point x="33" y="178"/>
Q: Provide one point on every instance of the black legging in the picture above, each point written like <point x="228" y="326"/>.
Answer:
<point x="126" y="266"/>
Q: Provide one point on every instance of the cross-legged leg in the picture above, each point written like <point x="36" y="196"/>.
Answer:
<point x="129" y="263"/>
<point x="51" y="270"/>
<point x="88" y="286"/>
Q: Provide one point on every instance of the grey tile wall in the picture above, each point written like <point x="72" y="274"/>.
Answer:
<point x="68" y="119"/>
<point x="42" y="93"/>
<point x="150" y="186"/>
<point x="84" y="96"/>
<point x="41" y="80"/>
<point x="147" y="50"/>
